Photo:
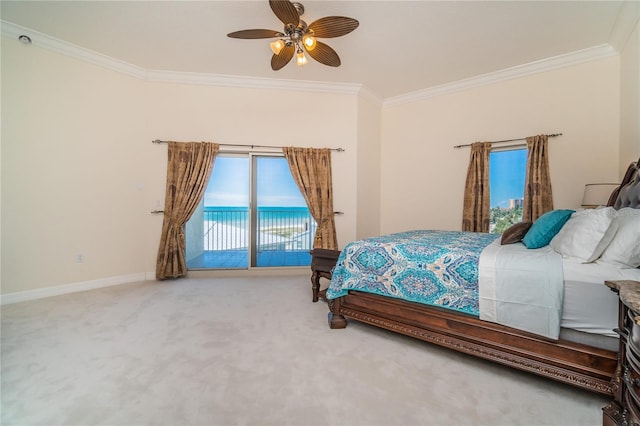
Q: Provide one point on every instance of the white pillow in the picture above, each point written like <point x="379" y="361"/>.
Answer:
<point x="624" y="248"/>
<point x="605" y="241"/>
<point x="580" y="236"/>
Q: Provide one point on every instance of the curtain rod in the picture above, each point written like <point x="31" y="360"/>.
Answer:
<point x="158" y="141"/>
<point x="509" y="140"/>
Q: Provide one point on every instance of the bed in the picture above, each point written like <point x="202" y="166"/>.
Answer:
<point x="560" y="330"/>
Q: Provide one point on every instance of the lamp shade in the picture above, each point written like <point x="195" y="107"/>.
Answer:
<point x="276" y="46"/>
<point x="597" y="194"/>
<point x="301" y="60"/>
<point x="309" y="42"/>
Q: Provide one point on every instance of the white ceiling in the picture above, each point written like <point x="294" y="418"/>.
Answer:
<point x="400" y="46"/>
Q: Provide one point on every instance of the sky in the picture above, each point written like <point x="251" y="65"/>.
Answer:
<point x="229" y="183"/>
<point x="507" y="176"/>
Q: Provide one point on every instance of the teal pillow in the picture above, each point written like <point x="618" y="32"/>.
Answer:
<point x="545" y="228"/>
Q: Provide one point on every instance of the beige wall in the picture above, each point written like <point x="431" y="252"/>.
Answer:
<point x="368" y="169"/>
<point x="423" y="175"/>
<point x="263" y="117"/>
<point x="73" y="170"/>
<point x="630" y="101"/>
<point x="80" y="174"/>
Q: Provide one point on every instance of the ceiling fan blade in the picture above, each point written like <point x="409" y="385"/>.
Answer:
<point x="325" y="55"/>
<point x="281" y="59"/>
<point x="285" y="11"/>
<point x="255" y="34"/>
<point x="333" y="26"/>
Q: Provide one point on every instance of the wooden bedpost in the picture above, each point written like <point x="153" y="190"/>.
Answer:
<point x="335" y="319"/>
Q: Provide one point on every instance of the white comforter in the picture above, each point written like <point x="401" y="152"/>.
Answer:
<point x="522" y="288"/>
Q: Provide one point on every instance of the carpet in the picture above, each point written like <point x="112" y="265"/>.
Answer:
<point x="248" y="351"/>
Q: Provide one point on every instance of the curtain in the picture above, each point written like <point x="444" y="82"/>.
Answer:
<point x="475" y="212"/>
<point x="189" y="167"/>
<point x="538" y="198"/>
<point x="311" y="170"/>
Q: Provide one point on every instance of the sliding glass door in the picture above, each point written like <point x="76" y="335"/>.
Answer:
<point x="217" y="235"/>
<point x="252" y="215"/>
<point x="284" y="229"/>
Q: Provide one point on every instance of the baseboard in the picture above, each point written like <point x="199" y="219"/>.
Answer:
<point x="41" y="293"/>
<point x="251" y="272"/>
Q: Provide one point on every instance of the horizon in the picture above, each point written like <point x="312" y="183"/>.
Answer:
<point x="259" y="207"/>
<point x="229" y="183"/>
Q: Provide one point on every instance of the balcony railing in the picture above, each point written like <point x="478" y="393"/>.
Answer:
<point x="225" y="229"/>
<point x="278" y="229"/>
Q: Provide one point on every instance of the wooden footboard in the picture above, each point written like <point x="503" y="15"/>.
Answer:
<point x="576" y="364"/>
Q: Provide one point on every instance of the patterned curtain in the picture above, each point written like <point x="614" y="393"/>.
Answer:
<point x="311" y="170"/>
<point x="538" y="198"/>
<point x="188" y="169"/>
<point x="475" y="212"/>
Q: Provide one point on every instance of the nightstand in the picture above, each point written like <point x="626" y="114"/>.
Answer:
<point x="625" y="384"/>
<point x="322" y="263"/>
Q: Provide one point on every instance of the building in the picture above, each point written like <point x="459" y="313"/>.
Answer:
<point x="514" y="204"/>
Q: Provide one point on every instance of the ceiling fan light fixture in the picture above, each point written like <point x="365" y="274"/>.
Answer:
<point x="301" y="60"/>
<point x="298" y="36"/>
<point x="309" y="42"/>
<point x="276" y="46"/>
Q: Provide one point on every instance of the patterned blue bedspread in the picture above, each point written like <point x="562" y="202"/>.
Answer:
<point x="433" y="267"/>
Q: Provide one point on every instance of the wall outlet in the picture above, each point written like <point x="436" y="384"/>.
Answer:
<point x="79" y="258"/>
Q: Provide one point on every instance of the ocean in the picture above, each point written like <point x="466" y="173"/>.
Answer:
<point x="268" y="217"/>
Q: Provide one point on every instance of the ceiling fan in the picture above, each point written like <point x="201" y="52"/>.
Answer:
<point x="299" y="37"/>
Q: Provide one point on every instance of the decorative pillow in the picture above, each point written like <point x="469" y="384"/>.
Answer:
<point x="580" y="236"/>
<point x="624" y="249"/>
<point x="545" y="228"/>
<point x="515" y="233"/>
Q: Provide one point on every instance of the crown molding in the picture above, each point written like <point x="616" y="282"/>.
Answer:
<point x="626" y="22"/>
<point x="556" y="62"/>
<point x="250" y="82"/>
<point x="369" y="95"/>
<point x="11" y="30"/>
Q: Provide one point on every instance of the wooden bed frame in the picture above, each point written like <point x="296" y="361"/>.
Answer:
<point x="576" y="364"/>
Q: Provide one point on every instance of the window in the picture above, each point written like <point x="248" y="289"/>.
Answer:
<point x="507" y="171"/>
<point x="252" y="215"/>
